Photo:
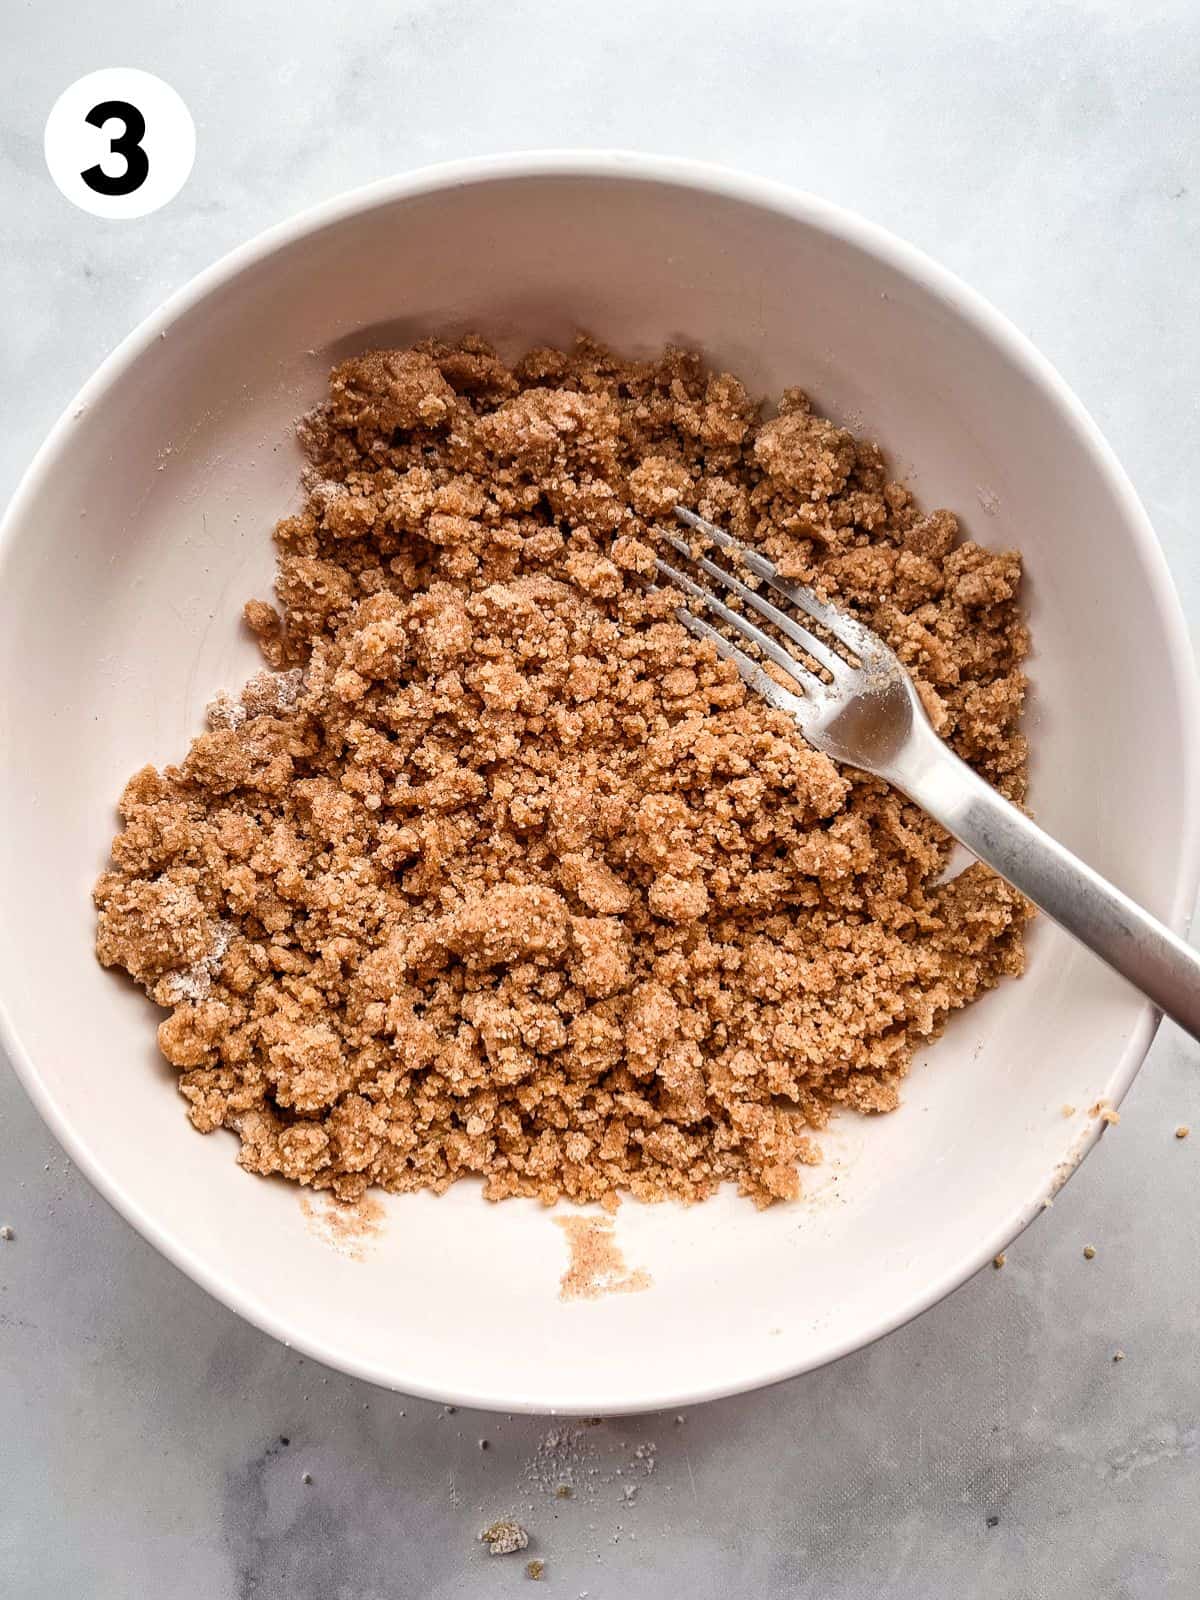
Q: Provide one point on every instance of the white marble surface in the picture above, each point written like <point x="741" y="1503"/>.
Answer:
<point x="1046" y="152"/>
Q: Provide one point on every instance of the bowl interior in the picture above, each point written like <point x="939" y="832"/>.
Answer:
<point x="147" y="523"/>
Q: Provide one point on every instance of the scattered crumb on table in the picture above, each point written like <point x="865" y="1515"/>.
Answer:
<point x="534" y="1569"/>
<point x="1181" y="1132"/>
<point x="504" y="1537"/>
<point x="998" y="1261"/>
<point x="7" y="1233"/>
<point x="1089" y="1252"/>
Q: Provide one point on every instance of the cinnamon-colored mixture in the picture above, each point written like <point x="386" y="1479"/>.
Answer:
<point x="597" y="1264"/>
<point x="499" y="871"/>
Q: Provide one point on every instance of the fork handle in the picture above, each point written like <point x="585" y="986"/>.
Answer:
<point x="1098" y="914"/>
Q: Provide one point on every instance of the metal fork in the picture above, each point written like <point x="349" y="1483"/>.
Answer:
<point x="869" y="715"/>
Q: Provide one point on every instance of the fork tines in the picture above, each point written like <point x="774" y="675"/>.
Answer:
<point x="848" y="633"/>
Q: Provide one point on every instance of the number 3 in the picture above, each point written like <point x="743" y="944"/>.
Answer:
<point x="129" y="146"/>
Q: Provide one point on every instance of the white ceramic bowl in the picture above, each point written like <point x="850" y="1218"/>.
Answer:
<point x="145" y="522"/>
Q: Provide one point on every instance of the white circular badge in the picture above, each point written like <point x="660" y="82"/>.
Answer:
<point x="120" y="143"/>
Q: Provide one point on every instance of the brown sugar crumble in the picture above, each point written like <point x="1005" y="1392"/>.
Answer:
<point x="497" y="871"/>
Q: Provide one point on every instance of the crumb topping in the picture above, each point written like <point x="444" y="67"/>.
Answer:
<point x="498" y="871"/>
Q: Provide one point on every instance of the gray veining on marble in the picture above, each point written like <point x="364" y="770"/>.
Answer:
<point x="994" y="1447"/>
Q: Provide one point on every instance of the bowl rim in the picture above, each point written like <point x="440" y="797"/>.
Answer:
<point x="967" y="304"/>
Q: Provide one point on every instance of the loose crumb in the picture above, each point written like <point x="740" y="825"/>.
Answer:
<point x="596" y="1264"/>
<point x="563" y="1492"/>
<point x="504" y="1538"/>
<point x="306" y="1477"/>
<point x="347" y="1226"/>
<point x="1068" y="1111"/>
<point x="535" y="1569"/>
<point x="1181" y="1132"/>
<point x="498" y="871"/>
<point x="1118" y="1355"/>
<point x="1089" y="1252"/>
<point x="998" y="1261"/>
<point x="7" y="1233"/>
